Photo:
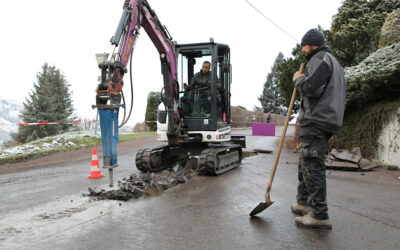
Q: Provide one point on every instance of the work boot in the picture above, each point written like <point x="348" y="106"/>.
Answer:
<point x="308" y="221"/>
<point x="299" y="209"/>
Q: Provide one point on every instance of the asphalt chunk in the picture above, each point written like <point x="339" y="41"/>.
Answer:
<point x="136" y="186"/>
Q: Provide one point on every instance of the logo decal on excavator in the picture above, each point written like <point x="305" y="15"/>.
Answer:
<point x="128" y="50"/>
<point x="163" y="42"/>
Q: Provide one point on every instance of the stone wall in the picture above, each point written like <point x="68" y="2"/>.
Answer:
<point x="389" y="141"/>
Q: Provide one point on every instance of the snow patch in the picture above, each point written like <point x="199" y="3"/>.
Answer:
<point x="46" y="144"/>
<point x="70" y="144"/>
<point x="381" y="62"/>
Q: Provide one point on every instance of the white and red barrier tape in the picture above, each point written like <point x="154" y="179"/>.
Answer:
<point x="77" y="123"/>
<point x="45" y="123"/>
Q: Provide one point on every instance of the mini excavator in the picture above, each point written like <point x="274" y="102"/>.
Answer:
<point x="192" y="121"/>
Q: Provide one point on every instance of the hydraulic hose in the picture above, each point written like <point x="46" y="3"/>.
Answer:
<point x="131" y="83"/>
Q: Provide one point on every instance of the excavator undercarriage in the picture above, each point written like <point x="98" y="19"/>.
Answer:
<point x="212" y="159"/>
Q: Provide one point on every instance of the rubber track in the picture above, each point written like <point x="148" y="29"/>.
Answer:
<point x="208" y="162"/>
<point x="143" y="159"/>
<point x="210" y="159"/>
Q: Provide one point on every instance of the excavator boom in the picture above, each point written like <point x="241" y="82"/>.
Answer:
<point x="194" y="117"/>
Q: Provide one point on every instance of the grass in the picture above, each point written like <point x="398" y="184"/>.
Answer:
<point x="60" y="143"/>
<point x="129" y="137"/>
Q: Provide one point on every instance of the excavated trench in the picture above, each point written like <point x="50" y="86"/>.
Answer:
<point x="136" y="186"/>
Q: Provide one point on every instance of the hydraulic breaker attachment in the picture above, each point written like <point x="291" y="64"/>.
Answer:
<point x="109" y="138"/>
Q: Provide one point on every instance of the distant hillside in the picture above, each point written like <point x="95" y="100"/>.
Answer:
<point x="10" y="109"/>
<point x="9" y="113"/>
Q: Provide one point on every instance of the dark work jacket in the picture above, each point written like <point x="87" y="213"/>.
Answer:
<point x="200" y="79"/>
<point x="323" y="92"/>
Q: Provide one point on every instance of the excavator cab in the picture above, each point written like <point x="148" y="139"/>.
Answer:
<point x="205" y="108"/>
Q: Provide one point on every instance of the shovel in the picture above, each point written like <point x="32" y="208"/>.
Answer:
<point x="264" y="205"/>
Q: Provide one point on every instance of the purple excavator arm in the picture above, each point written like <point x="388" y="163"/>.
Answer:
<point x="136" y="14"/>
<point x="141" y="15"/>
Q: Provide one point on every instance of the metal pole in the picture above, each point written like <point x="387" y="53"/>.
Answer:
<point x="110" y="173"/>
<point x="97" y="122"/>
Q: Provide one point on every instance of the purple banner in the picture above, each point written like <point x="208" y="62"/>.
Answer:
<point x="263" y="129"/>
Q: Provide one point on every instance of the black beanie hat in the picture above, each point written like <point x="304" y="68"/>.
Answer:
<point x="313" y="37"/>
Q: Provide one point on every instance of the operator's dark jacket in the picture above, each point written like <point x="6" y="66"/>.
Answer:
<point x="323" y="92"/>
<point x="201" y="79"/>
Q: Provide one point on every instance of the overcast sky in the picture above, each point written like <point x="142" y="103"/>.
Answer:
<point x="69" y="33"/>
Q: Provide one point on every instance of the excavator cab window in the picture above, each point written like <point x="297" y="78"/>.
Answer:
<point x="204" y="98"/>
<point x="195" y="101"/>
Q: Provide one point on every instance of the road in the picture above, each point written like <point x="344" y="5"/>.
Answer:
<point x="42" y="207"/>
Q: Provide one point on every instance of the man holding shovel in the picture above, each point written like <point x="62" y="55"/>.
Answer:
<point x="323" y="94"/>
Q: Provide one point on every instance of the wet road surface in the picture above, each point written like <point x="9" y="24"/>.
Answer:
<point x="44" y="209"/>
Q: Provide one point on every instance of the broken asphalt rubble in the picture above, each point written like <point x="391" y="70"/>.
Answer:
<point x="135" y="186"/>
<point x="348" y="160"/>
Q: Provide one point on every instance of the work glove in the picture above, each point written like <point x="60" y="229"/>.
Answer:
<point x="189" y="87"/>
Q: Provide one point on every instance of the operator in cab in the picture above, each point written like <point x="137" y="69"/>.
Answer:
<point x="196" y="100"/>
<point x="202" y="78"/>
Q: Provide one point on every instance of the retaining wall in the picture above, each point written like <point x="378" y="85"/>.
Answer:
<point x="389" y="141"/>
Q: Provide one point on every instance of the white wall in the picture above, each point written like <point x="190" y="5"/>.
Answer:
<point x="389" y="142"/>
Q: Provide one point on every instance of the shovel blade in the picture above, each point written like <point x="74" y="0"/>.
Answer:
<point x="261" y="207"/>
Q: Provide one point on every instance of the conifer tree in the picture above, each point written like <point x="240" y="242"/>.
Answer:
<point x="390" y="32"/>
<point x="153" y="100"/>
<point x="356" y="29"/>
<point x="271" y="100"/>
<point x="49" y="101"/>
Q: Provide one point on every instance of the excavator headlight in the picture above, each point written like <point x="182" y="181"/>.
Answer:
<point x="102" y="57"/>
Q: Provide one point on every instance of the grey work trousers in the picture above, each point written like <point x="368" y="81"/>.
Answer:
<point x="311" y="190"/>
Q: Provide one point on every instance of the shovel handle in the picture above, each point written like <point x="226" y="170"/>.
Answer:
<point x="301" y="69"/>
<point x="278" y="153"/>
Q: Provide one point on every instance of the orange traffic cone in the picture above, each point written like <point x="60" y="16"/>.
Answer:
<point x="94" y="168"/>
